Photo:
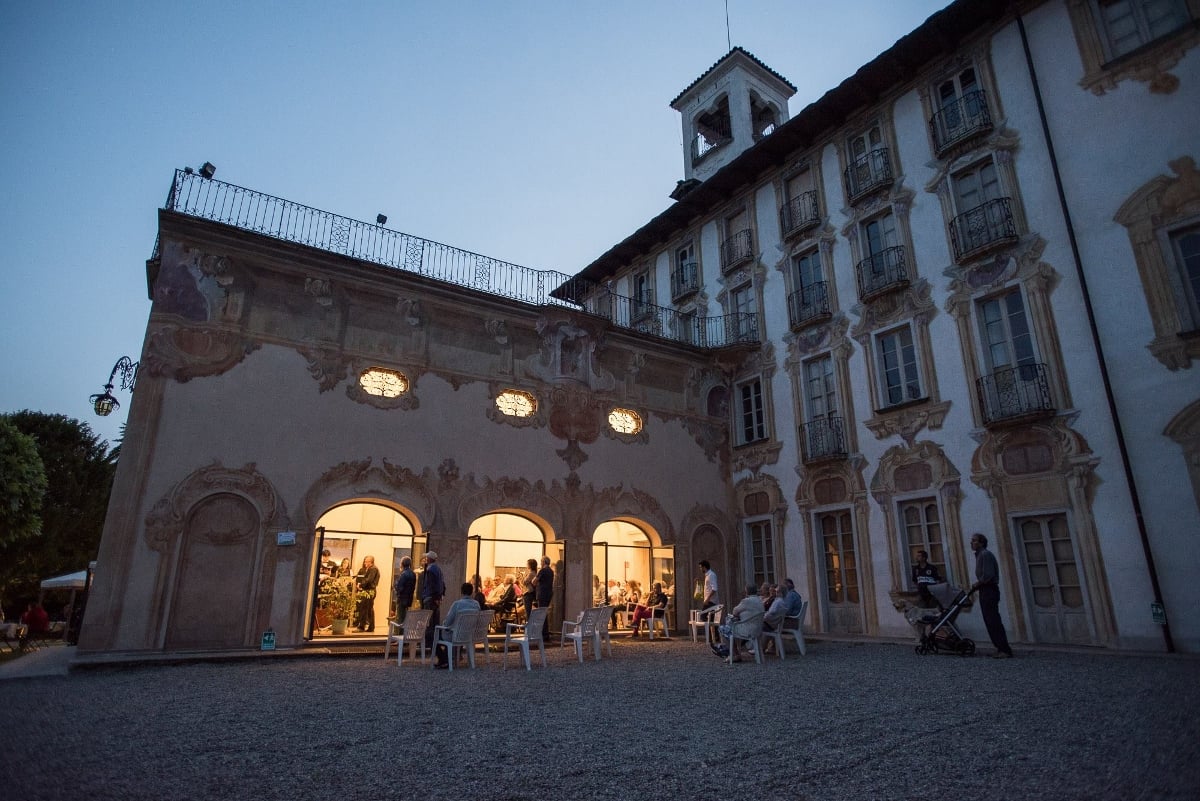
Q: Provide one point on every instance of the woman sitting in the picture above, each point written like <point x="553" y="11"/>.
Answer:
<point x="656" y="599"/>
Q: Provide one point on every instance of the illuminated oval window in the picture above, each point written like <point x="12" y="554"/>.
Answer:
<point x="625" y="421"/>
<point x="515" y="403"/>
<point x="383" y="383"/>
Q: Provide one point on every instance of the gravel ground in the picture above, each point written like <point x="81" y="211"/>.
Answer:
<point x="660" y="720"/>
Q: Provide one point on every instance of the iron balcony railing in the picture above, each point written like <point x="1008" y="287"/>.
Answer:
<point x="808" y="305"/>
<point x="800" y="214"/>
<point x="714" y="137"/>
<point x="1012" y="393"/>
<point x="205" y="198"/>
<point x="960" y="120"/>
<point x="882" y="272"/>
<point x="868" y="172"/>
<point x="685" y="279"/>
<point x="982" y="228"/>
<point x="824" y="438"/>
<point x="737" y="249"/>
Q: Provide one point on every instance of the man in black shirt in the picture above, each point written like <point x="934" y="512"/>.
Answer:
<point x="923" y="575"/>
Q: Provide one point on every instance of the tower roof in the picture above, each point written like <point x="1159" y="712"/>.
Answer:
<point x="734" y="53"/>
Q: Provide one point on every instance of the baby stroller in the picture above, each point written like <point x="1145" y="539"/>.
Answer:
<point x="939" y="635"/>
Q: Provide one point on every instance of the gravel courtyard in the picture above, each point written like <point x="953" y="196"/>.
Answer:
<point x="660" y="720"/>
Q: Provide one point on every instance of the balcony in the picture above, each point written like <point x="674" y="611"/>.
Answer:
<point x="799" y="214"/>
<point x="737" y="249"/>
<point x="868" y="173"/>
<point x="715" y="134"/>
<point x="808" y="305"/>
<point x="883" y="272"/>
<point x="961" y="120"/>
<point x="1015" y="394"/>
<point x="823" y="439"/>
<point x="685" y="280"/>
<point x="982" y="229"/>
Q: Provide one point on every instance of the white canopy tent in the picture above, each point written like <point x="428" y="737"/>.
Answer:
<point x="71" y="581"/>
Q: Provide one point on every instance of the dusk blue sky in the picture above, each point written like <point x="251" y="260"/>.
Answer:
<point x="535" y="132"/>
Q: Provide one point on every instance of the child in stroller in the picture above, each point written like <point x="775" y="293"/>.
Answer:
<point x="938" y="633"/>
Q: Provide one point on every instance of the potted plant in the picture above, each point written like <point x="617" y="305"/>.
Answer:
<point x="337" y="599"/>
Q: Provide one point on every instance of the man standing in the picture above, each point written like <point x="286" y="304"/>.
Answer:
<point x="404" y="586"/>
<point x="544" y="589"/>
<point x="987" y="581"/>
<point x="709" y="594"/>
<point x="433" y="587"/>
<point x="367" y="580"/>
<point x="466" y="603"/>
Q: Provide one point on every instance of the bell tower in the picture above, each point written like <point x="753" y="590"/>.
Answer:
<point x="726" y="111"/>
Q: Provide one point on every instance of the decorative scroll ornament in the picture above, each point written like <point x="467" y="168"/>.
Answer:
<point x="184" y="352"/>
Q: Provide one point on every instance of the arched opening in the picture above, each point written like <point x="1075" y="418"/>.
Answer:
<point x="626" y="560"/>
<point x="344" y="603"/>
<point x="499" y="548"/>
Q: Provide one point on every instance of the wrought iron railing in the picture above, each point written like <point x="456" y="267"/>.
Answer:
<point x="1015" y="392"/>
<point x="868" y="172"/>
<point x="685" y="279"/>
<point x="205" y="198"/>
<point x="808" y="305"/>
<point x="982" y="228"/>
<point x="714" y="137"/>
<point x="824" y="438"/>
<point x="960" y="120"/>
<point x="737" y="249"/>
<point x="881" y="272"/>
<point x="800" y="213"/>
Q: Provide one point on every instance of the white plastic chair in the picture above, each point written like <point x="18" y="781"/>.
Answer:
<point x="524" y="635"/>
<point x="750" y="632"/>
<point x="483" y="626"/>
<point x="410" y="632"/>
<point x="460" y="635"/>
<point x="660" y="615"/>
<point x="794" y="625"/>
<point x="706" y="619"/>
<point x="588" y="628"/>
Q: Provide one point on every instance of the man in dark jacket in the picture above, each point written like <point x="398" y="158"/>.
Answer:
<point x="544" y="591"/>
<point x="433" y="587"/>
<point x="404" y="586"/>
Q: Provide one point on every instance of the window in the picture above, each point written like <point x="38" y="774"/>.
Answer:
<point x="1007" y="340"/>
<point x="643" y="293"/>
<point x="883" y="265"/>
<point x="751" y="412"/>
<point x="383" y="383"/>
<point x="962" y="110"/>
<point x="868" y="164"/>
<point x="1186" y="247"/>
<point x="800" y="211"/>
<point x="515" y="403"/>
<point x="744" y="307"/>
<point x="625" y="421"/>
<point x="685" y="273"/>
<point x="921" y="523"/>
<point x="1128" y="24"/>
<point x="738" y="247"/>
<point x="823" y="432"/>
<point x="1015" y="384"/>
<point x="984" y="217"/>
<point x="899" y="378"/>
<point x="810" y="300"/>
<point x="761" y="548"/>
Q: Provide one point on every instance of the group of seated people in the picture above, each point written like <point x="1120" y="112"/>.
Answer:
<point x="628" y="597"/>
<point x="498" y="594"/>
<point x="763" y="609"/>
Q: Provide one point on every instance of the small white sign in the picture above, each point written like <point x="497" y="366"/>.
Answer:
<point x="285" y="538"/>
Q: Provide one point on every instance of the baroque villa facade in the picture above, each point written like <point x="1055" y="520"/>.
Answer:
<point x="957" y="293"/>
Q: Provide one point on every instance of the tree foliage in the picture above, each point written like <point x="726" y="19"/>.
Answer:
<point x="78" y="472"/>
<point x="22" y="486"/>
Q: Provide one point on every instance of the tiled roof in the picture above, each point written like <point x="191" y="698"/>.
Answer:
<point x="722" y="60"/>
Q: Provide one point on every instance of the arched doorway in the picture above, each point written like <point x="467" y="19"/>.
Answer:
<point x="625" y="552"/>
<point x="499" y="546"/>
<point x="350" y="532"/>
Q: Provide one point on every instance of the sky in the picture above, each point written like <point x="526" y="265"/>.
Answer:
<point x="533" y="131"/>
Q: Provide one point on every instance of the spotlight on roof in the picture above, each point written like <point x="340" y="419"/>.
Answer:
<point x="207" y="169"/>
<point x="381" y="219"/>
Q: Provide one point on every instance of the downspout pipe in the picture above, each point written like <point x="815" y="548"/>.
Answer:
<point x="1091" y="318"/>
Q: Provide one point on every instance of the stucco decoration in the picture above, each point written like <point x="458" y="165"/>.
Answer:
<point x="195" y="286"/>
<point x="327" y="367"/>
<point x="575" y="416"/>
<point x="410" y="311"/>
<point x="630" y="504"/>
<point x="568" y="352"/>
<point x="320" y="289"/>
<point x="1148" y="215"/>
<point x="532" y="500"/>
<point x="183" y="352"/>
<point x="1148" y="64"/>
<point x="403" y="490"/>
<point x="164" y="522"/>
<point x="1184" y="429"/>
<point x="1045" y="448"/>
<point x="712" y="437"/>
<point x="536" y="420"/>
